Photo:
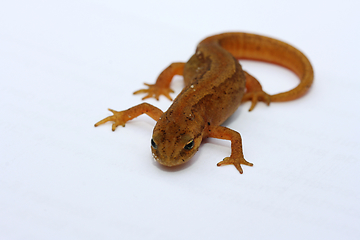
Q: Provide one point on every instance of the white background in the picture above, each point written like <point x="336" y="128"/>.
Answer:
<point x="63" y="63"/>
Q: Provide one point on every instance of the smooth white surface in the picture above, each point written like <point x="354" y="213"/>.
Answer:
<point x="63" y="63"/>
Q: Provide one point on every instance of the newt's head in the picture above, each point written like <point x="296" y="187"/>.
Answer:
<point x="175" y="142"/>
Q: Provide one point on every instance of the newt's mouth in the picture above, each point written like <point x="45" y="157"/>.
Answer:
<point x="156" y="159"/>
<point x="167" y="163"/>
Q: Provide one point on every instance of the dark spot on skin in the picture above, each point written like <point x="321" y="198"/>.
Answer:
<point x="209" y="123"/>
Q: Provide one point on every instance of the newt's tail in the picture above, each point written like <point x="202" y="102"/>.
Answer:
<point x="261" y="48"/>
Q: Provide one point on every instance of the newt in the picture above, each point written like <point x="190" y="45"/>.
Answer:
<point x="215" y="86"/>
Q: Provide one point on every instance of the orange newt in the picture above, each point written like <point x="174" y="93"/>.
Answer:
<point x="215" y="86"/>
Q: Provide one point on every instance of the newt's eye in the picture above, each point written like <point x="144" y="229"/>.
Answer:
<point x="153" y="144"/>
<point x="189" y="145"/>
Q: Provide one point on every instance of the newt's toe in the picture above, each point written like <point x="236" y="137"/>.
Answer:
<point x="255" y="97"/>
<point x="155" y="91"/>
<point x="118" y="118"/>
<point x="236" y="162"/>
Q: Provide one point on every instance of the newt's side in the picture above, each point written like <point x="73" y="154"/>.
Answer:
<point x="215" y="86"/>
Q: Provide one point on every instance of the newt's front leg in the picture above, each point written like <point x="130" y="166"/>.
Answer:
<point x="237" y="157"/>
<point x="121" y="117"/>
<point x="162" y="85"/>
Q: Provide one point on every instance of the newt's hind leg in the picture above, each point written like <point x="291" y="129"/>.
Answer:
<point x="254" y="92"/>
<point x="162" y="85"/>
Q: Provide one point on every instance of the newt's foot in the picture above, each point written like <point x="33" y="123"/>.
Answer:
<point x="236" y="162"/>
<point x="155" y="91"/>
<point x="119" y="118"/>
<point x="254" y="97"/>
